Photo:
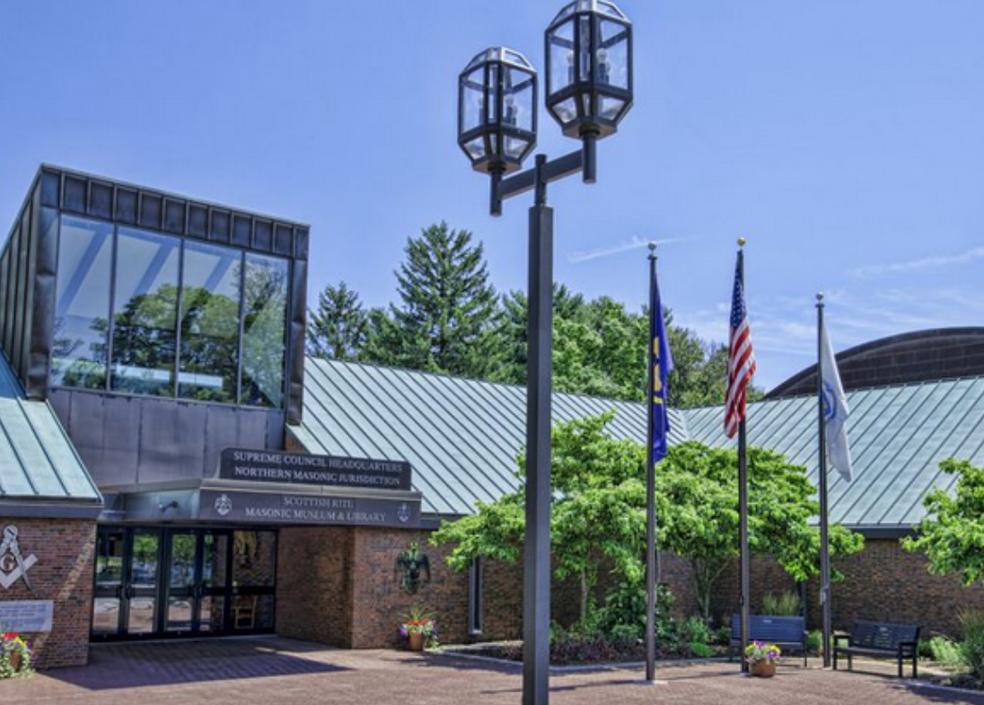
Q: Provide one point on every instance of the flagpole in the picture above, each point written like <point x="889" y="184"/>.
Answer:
<point x="744" y="560"/>
<point x="822" y="453"/>
<point x="651" y="484"/>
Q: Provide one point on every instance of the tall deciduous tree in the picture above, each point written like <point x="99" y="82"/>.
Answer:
<point x="339" y="326"/>
<point x="952" y="534"/>
<point x="448" y="320"/>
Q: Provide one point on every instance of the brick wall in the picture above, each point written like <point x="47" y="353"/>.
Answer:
<point x="63" y="573"/>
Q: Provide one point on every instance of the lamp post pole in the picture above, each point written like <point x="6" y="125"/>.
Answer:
<point x="539" y="386"/>
<point x="497" y="94"/>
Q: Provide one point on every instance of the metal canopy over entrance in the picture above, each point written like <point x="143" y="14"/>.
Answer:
<point x="154" y="582"/>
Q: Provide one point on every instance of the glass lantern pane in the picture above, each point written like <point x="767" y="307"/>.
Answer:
<point x="613" y="55"/>
<point x="472" y="101"/>
<point x="491" y="115"/>
<point x="515" y="147"/>
<point x="517" y="109"/>
<point x="565" y="110"/>
<point x="561" y="44"/>
<point x="584" y="62"/>
<point x="608" y="9"/>
<point x="476" y="148"/>
<point x="610" y="107"/>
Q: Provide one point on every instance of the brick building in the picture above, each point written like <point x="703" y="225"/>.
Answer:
<point x="172" y="465"/>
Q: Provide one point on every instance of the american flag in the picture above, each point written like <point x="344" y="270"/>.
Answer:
<point x="741" y="359"/>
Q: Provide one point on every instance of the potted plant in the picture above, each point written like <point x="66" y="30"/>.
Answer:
<point x="762" y="658"/>
<point x="15" y="655"/>
<point x="419" y="628"/>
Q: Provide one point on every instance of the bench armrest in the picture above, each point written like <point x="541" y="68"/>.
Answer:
<point x="838" y="638"/>
<point x="913" y="647"/>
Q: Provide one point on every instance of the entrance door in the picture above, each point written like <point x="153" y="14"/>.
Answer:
<point x="127" y="568"/>
<point x="197" y="580"/>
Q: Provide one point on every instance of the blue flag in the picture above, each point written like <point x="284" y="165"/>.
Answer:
<point x="662" y="364"/>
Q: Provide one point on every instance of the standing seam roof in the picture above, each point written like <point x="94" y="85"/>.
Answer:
<point x="462" y="436"/>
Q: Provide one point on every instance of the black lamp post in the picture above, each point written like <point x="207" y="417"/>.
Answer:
<point x="589" y="91"/>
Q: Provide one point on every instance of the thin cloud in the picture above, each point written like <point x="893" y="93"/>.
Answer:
<point x="967" y="257"/>
<point x="636" y="243"/>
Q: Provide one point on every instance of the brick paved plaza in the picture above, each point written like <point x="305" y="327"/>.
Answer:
<point x="274" y="670"/>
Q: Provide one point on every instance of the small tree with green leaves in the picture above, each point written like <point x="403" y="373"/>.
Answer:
<point x="697" y="506"/>
<point x="598" y="493"/>
<point x="952" y="534"/>
<point x="339" y="326"/>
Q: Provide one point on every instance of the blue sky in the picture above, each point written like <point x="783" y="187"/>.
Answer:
<point x="844" y="139"/>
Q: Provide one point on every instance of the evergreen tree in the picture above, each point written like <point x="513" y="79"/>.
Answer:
<point x="339" y="326"/>
<point x="448" y="320"/>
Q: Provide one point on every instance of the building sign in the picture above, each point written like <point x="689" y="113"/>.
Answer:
<point x="26" y="615"/>
<point x="13" y="563"/>
<point x="303" y="469"/>
<point x="276" y="508"/>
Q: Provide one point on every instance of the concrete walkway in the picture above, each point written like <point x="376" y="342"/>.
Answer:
<point x="282" y="671"/>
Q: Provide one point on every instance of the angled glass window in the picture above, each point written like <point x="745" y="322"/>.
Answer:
<point x="145" y="312"/>
<point x="264" y="330"/>
<point x="82" y="304"/>
<point x="209" y="353"/>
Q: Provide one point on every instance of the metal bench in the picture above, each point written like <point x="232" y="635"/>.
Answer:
<point x="879" y="639"/>
<point x="784" y="632"/>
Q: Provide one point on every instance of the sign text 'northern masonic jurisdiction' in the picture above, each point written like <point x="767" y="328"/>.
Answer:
<point x="303" y="469"/>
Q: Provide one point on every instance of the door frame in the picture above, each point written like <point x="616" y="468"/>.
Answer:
<point x="162" y="590"/>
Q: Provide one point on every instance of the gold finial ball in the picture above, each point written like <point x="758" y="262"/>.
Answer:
<point x="819" y="296"/>
<point x="741" y="242"/>
<point x="652" y="245"/>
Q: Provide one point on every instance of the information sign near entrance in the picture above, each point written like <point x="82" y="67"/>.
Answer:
<point x="304" y="469"/>
<point x="277" y="508"/>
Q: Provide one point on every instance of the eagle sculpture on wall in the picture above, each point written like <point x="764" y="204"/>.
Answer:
<point x="412" y="569"/>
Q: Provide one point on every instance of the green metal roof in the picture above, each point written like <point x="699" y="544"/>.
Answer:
<point x="40" y="472"/>
<point x="462" y="436"/>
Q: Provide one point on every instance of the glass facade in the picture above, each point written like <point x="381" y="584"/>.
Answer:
<point x="141" y="312"/>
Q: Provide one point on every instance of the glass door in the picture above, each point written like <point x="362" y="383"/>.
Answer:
<point x="197" y="580"/>
<point x="125" y="589"/>
<point x="140" y="590"/>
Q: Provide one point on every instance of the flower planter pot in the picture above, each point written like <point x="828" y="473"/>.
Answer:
<point x="763" y="669"/>
<point x="417" y="641"/>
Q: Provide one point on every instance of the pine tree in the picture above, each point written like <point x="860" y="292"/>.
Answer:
<point x="339" y="326"/>
<point x="448" y="320"/>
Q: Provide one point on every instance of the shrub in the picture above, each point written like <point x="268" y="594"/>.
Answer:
<point x="785" y="604"/>
<point x="972" y="648"/>
<point x="695" y="630"/>
<point x="625" y="610"/>
<point x="814" y="642"/>
<point x="723" y="636"/>
<point x="941" y="650"/>
<point x="701" y="650"/>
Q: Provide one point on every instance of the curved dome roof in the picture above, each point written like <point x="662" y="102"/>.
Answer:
<point x="940" y="353"/>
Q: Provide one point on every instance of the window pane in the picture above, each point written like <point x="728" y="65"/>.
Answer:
<point x="209" y="322"/>
<point x="145" y="313"/>
<point x="264" y="330"/>
<point x="82" y="309"/>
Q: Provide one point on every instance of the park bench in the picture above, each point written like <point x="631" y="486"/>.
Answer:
<point x="784" y="632"/>
<point x="898" y="641"/>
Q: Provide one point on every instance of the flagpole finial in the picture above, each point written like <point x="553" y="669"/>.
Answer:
<point x="652" y="249"/>
<point x="741" y="242"/>
<point x="819" y="298"/>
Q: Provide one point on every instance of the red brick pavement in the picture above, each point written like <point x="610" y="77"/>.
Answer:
<point x="282" y="671"/>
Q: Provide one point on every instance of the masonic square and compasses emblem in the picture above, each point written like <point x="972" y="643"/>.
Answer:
<point x="13" y="564"/>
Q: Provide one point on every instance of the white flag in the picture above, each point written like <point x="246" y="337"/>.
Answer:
<point x="835" y="409"/>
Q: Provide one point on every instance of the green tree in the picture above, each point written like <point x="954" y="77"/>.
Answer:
<point x="448" y="320"/>
<point x="598" y="509"/>
<point x="952" y="534"/>
<point x="598" y="492"/>
<point x="339" y="326"/>
<point x="697" y="506"/>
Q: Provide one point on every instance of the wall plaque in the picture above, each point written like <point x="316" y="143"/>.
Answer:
<point x="304" y="469"/>
<point x="26" y="615"/>
<point x="277" y="508"/>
